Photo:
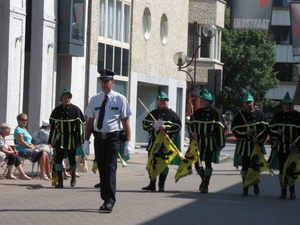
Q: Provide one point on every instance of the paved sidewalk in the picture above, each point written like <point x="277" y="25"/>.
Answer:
<point x="36" y="202"/>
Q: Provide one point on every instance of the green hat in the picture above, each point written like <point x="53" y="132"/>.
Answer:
<point x="162" y="95"/>
<point x="248" y="97"/>
<point x="287" y="99"/>
<point x="206" y="95"/>
<point x="65" y="91"/>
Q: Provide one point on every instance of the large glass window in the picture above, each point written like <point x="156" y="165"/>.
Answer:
<point x="125" y="62"/>
<point x="114" y="35"/>
<point x="126" y="24"/>
<point x="110" y="19"/>
<point x="118" y="21"/>
<point x="285" y="71"/>
<point x="117" y="61"/>
<point x="114" y="20"/>
<point x="102" y="18"/>
<point x="101" y="54"/>
<point x="280" y="34"/>
<point x="204" y="51"/>
<point x="113" y="58"/>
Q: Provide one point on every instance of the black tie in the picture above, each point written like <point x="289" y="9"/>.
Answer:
<point x="101" y="114"/>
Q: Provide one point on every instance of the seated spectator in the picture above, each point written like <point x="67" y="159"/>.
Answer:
<point x="11" y="155"/>
<point x="41" y="136"/>
<point x="29" y="151"/>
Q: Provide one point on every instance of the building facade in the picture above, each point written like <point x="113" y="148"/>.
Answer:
<point x="47" y="46"/>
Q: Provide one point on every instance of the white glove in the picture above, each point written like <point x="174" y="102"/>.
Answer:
<point x="127" y="148"/>
<point x="86" y="147"/>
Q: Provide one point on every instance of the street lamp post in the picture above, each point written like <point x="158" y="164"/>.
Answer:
<point x="180" y="58"/>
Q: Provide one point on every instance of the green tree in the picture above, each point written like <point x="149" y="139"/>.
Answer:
<point x="248" y="59"/>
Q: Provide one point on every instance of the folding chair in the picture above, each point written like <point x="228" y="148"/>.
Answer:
<point x="3" y="165"/>
<point x="32" y="166"/>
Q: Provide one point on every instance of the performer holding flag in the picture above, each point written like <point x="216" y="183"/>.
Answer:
<point x="285" y="129"/>
<point x="206" y="125"/>
<point x="162" y="119"/>
<point x="250" y="127"/>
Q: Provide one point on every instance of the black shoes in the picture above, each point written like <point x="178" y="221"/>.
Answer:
<point x="245" y="191"/>
<point x="106" y="207"/>
<point x="97" y="185"/>
<point x="256" y="189"/>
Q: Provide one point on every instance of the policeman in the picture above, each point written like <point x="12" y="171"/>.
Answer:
<point x="107" y="110"/>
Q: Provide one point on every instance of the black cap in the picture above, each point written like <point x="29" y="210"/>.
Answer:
<point x="106" y="74"/>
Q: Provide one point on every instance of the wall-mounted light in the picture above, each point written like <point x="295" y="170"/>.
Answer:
<point x="18" y="39"/>
<point x="50" y="45"/>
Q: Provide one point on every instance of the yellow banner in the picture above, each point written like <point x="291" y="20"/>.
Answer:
<point x="257" y="165"/>
<point x="291" y="170"/>
<point x="161" y="154"/>
<point x="191" y="157"/>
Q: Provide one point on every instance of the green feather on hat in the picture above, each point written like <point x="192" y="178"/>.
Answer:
<point x="248" y="97"/>
<point x="65" y="91"/>
<point x="162" y="95"/>
<point x="206" y="95"/>
<point x="287" y="99"/>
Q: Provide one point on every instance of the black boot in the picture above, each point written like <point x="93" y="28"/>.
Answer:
<point x="256" y="189"/>
<point x="283" y="192"/>
<point x="161" y="182"/>
<point x="245" y="189"/>
<point x="206" y="183"/>
<point x="73" y="179"/>
<point x="200" y="171"/>
<point x="60" y="180"/>
<point x="151" y="186"/>
<point x="292" y="192"/>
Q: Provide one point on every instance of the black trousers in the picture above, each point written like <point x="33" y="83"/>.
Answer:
<point x="106" y="153"/>
<point x="282" y="157"/>
<point x="13" y="159"/>
<point x="60" y="157"/>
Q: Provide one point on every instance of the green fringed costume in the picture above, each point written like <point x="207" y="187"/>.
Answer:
<point x="173" y="126"/>
<point x="66" y="135"/>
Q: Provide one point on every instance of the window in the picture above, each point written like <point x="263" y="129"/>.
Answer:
<point x="282" y="3"/>
<point x="164" y="27"/>
<point x="206" y="50"/>
<point x="280" y="34"/>
<point x="285" y="71"/>
<point x="114" y="20"/>
<point x="113" y="58"/>
<point x="110" y="19"/>
<point x="147" y="23"/>
<point x="126" y="25"/>
<point x="102" y="18"/>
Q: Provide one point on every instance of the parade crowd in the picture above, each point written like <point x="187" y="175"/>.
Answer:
<point x="64" y="136"/>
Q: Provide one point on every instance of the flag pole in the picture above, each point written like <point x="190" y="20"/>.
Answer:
<point x="199" y="159"/>
<point x="179" y="153"/>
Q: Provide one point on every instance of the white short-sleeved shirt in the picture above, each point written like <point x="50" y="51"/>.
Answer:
<point x="4" y="145"/>
<point x="116" y="108"/>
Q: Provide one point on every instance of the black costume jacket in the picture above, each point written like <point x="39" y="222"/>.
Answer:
<point x="289" y="123"/>
<point x="66" y="127"/>
<point x="209" y="126"/>
<point x="171" y="121"/>
<point x="243" y="121"/>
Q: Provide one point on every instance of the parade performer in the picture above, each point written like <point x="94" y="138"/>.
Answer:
<point x="66" y="135"/>
<point x="250" y="127"/>
<point x="167" y="121"/>
<point x="206" y="125"/>
<point x="285" y="131"/>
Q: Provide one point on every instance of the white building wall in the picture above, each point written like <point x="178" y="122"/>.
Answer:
<point x="42" y="59"/>
<point x="13" y="14"/>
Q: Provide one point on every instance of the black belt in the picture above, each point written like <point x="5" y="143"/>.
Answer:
<point x="106" y="135"/>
